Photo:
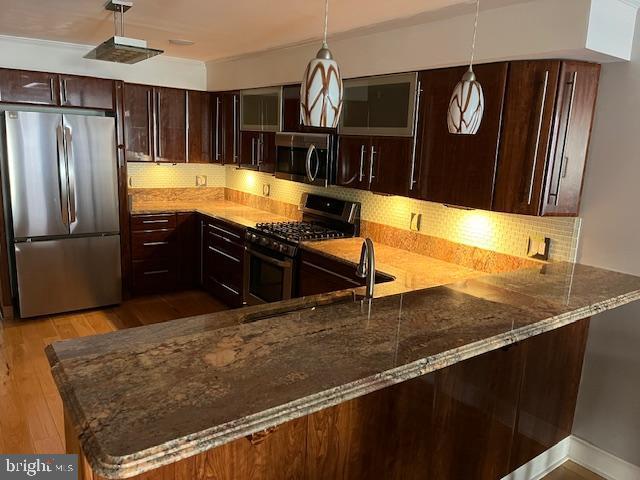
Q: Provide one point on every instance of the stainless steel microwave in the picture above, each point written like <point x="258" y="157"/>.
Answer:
<point x="383" y="105"/>
<point x="307" y="158"/>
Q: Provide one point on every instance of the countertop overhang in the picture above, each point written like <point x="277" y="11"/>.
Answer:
<point x="150" y="396"/>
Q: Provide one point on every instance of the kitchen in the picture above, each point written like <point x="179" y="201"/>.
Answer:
<point x="227" y="204"/>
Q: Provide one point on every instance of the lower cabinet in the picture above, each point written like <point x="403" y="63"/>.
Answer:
<point x="223" y="260"/>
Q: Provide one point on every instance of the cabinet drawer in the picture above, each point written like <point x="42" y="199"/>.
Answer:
<point x="214" y="238"/>
<point x="229" y="295"/>
<point x="227" y="230"/>
<point x="154" y="221"/>
<point x="153" y="244"/>
<point x="224" y="267"/>
<point x="155" y="275"/>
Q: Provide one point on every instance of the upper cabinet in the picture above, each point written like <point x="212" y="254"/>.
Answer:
<point x="261" y="109"/>
<point x="380" y="106"/>
<point x="199" y="127"/>
<point x="291" y="116"/>
<point x="138" y="123"/>
<point x="458" y="169"/>
<point x="40" y="88"/>
<point x="171" y="125"/>
<point x="548" y="115"/>
<point x="231" y="132"/>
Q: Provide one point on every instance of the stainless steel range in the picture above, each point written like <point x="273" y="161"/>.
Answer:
<point x="272" y="248"/>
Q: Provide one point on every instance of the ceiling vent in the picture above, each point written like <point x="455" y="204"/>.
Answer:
<point x="119" y="48"/>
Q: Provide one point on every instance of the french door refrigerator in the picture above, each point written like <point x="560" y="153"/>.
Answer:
<point x="63" y="193"/>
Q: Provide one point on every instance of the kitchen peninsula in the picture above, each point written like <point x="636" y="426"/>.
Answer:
<point x="334" y="386"/>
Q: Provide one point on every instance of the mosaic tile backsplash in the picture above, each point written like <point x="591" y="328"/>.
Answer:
<point x="499" y="232"/>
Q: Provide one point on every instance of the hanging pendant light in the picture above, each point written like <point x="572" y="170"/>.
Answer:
<point x="321" y="90"/>
<point x="467" y="101"/>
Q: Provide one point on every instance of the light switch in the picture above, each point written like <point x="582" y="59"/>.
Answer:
<point x="416" y="220"/>
<point x="201" y="180"/>
<point x="539" y="247"/>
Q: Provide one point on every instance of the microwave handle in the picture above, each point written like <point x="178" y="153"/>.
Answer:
<point x="310" y="152"/>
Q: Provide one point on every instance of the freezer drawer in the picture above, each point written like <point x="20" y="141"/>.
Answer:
<point x="68" y="274"/>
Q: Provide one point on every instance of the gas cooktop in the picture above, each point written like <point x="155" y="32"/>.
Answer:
<point x="298" y="231"/>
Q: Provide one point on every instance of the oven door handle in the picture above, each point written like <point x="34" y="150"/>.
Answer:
<point x="310" y="152"/>
<point x="266" y="258"/>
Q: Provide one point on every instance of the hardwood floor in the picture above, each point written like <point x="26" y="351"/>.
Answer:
<point x="572" y="471"/>
<point x="31" y="418"/>
<point x="31" y="410"/>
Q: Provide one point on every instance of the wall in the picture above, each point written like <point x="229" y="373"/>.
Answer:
<point x="493" y="231"/>
<point x="163" y="175"/>
<point x="608" y="413"/>
<point x="29" y="54"/>
<point x="534" y="29"/>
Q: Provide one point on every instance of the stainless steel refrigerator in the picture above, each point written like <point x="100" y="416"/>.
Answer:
<point x="63" y="195"/>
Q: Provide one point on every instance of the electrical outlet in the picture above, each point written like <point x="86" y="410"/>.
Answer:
<point x="201" y="180"/>
<point x="538" y="247"/>
<point x="131" y="180"/>
<point x="416" y="221"/>
<point x="266" y="189"/>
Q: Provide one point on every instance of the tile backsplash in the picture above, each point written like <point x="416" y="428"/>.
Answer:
<point x="499" y="232"/>
<point x="164" y="175"/>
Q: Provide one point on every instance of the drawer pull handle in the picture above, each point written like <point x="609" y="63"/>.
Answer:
<point x="155" y="221"/>
<point x="156" y="272"/>
<point x="153" y="244"/>
<point x="226" y="232"/>
<point x="220" y="252"/>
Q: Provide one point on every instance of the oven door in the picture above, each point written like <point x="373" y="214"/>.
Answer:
<point x="267" y="278"/>
<point x="305" y="158"/>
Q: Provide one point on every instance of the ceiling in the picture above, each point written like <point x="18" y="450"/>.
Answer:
<point x="219" y="28"/>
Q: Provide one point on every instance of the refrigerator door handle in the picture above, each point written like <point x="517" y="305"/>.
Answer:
<point x="62" y="176"/>
<point x="71" y="173"/>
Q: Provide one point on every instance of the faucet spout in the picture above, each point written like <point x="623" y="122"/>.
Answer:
<point x="367" y="266"/>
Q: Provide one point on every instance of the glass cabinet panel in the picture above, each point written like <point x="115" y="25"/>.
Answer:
<point x="260" y="109"/>
<point x="383" y="105"/>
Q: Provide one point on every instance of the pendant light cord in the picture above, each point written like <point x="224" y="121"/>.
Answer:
<point x="475" y="34"/>
<point x="326" y="22"/>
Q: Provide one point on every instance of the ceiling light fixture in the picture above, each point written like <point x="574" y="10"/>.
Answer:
<point x="321" y="90"/>
<point x="119" y="48"/>
<point x="466" y="106"/>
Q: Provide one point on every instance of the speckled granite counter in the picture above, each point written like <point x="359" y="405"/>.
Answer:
<point x="183" y="387"/>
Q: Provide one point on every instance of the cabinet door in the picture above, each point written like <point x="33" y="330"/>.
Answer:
<point x="217" y="127"/>
<point x="171" y="125"/>
<point x="390" y="160"/>
<point x="249" y="145"/>
<point x="291" y="121"/>
<point x="459" y="169"/>
<point x="86" y="92"/>
<point x="353" y="161"/>
<point x="21" y="86"/>
<point x="199" y="127"/>
<point x="267" y="159"/>
<point x="231" y="132"/>
<point x="527" y="119"/>
<point x="138" y="123"/>
<point x="578" y="86"/>
<point x="187" y="249"/>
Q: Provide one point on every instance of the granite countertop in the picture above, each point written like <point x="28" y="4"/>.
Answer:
<point x="149" y="396"/>
<point x="230" y="211"/>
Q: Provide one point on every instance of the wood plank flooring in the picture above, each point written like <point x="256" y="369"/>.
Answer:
<point x="31" y="418"/>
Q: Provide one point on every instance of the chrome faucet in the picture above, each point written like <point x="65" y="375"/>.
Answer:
<point x="367" y="266"/>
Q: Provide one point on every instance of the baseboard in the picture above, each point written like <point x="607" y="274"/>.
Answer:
<point x="543" y="463"/>
<point x="603" y="463"/>
<point x="581" y="452"/>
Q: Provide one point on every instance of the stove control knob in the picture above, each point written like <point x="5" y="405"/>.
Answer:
<point x="264" y="241"/>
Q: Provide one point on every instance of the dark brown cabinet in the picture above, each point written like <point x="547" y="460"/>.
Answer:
<point x="458" y="169"/>
<point x="41" y="88"/>
<point x="187" y="249"/>
<point x="138" y="123"/>
<point x="548" y="114"/>
<point x="223" y="260"/>
<point x="199" y="128"/>
<point x="86" y="92"/>
<point x="218" y="126"/>
<point x="379" y="164"/>
<point x="258" y="151"/>
<point x="291" y="118"/>
<point x="171" y="125"/>
<point x="231" y="131"/>
<point x="318" y="274"/>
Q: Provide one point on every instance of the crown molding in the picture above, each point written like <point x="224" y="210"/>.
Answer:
<point x="632" y="3"/>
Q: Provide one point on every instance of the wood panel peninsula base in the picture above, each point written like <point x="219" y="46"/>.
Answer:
<point x="481" y="418"/>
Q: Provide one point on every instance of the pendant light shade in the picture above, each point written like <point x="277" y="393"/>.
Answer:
<point x="321" y="90"/>
<point x="466" y="106"/>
